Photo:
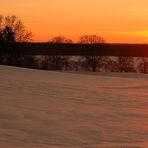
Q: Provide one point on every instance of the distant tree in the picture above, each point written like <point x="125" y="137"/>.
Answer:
<point x="60" y="39"/>
<point x="60" y="62"/>
<point x="91" y="39"/>
<point x="143" y="64"/>
<point x="44" y="62"/>
<point x="125" y="64"/>
<point x="111" y="65"/>
<point x="75" y="64"/>
<point x="92" y="62"/>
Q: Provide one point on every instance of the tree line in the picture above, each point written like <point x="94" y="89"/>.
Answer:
<point x="12" y="29"/>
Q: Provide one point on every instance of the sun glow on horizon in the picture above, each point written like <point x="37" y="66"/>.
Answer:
<point x="116" y="21"/>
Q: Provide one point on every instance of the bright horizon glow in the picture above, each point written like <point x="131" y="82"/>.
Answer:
<point x="117" y="21"/>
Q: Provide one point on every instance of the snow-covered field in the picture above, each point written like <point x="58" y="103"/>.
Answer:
<point x="64" y="110"/>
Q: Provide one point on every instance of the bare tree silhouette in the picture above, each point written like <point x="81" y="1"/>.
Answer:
<point x="125" y="64"/>
<point x="60" y="62"/>
<point x="7" y="35"/>
<point x="143" y="64"/>
<point x="92" y="62"/>
<point x="91" y="39"/>
<point x="12" y="28"/>
<point x="60" y="39"/>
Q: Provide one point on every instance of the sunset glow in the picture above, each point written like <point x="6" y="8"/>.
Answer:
<point x="116" y="21"/>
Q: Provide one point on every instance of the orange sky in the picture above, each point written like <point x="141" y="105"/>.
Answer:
<point x="115" y="20"/>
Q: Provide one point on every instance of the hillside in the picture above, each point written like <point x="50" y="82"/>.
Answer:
<point x="58" y="110"/>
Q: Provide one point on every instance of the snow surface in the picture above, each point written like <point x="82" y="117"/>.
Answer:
<point x="65" y="110"/>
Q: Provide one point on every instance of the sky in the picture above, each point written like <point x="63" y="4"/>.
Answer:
<point x="123" y="21"/>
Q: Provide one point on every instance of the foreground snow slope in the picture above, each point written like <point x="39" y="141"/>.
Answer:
<point x="55" y="109"/>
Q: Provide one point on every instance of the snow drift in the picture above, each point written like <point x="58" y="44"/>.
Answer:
<point x="55" y="109"/>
